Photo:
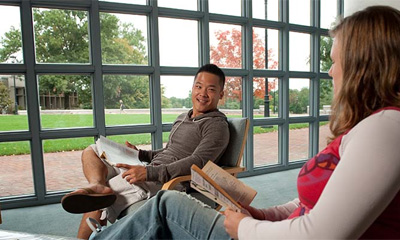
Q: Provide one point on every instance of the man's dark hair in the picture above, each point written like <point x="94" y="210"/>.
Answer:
<point x="214" y="69"/>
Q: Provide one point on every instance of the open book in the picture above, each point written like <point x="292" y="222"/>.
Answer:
<point x="114" y="152"/>
<point x="220" y="186"/>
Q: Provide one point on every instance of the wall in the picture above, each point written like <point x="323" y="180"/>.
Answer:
<point x="351" y="6"/>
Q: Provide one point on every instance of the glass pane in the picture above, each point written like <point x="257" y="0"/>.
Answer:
<point x="13" y="115"/>
<point x="141" y="2"/>
<point x="299" y="12"/>
<point x="141" y="141"/>
<point x="299" y="51"/>
<point x="178" y="42"/>
<point x="299" y="96"/>
<point x="298" y="141"/>
<point x="226" y="45"/>
<point x="265" y="41"/>
<point x="180" y="4"/>
<point x="10" y="35"/>
<point x="126" y="99"/>
<point x="16" y="176"/>
<point x="176" y="96"/>
<point x="325" y="53"/>
<point x="62" y="163"/>
<point x="265" y="105"/>
<point x="269" y="11"/>
<point x="326" y="96"/>
<point x="227" y="7"/>
<point x="123" y="39"/>
<point x="328" y="13"/>
<point x="65" y="101"/>
<point x="324" y="133"/>
<point x="266" y="145"/>
<point x="231" y="104"/>
<point x="61" y="36"/>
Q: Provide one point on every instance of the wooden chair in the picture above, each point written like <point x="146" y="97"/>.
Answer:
<point x="230" y="161"/>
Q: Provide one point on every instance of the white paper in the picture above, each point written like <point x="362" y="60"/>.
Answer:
<point x="117" y="153"/>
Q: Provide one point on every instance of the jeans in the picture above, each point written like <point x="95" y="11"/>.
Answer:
<point x="168" y="215"/>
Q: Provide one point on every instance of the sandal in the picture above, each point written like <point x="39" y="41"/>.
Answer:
<point x="78" y="202"/>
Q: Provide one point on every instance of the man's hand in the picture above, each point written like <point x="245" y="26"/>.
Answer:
<point x="130" y="145"/>
<point x="232" y="220"/>
<point x="133" y="173"/>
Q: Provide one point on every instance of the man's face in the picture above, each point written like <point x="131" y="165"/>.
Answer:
<point x="206" y="92"/>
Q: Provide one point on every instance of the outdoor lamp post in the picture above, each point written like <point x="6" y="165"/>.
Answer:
<point x="15" y="89"/>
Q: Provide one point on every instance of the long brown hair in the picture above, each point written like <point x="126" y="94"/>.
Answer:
<point x="370" y="57"/>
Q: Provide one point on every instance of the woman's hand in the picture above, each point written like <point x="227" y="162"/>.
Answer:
<point x="232" y="220"/>
<point x="133" y="173"/>
<point x="130" y="145"/>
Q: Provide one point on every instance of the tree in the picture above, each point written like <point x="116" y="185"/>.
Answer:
<point x="326" y="87"/>
<point x="61" y="36"/>
<point x="228" y="54"/>
<point x="5" y="100"/>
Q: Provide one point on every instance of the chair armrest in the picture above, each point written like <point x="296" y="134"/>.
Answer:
<point x="173" y="182"/>
<point x="234" y="170"/>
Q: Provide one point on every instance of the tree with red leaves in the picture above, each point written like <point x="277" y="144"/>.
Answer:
<point x="228" y="54"/>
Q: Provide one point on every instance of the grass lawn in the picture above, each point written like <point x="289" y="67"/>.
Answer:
<point x="52" y="121"/>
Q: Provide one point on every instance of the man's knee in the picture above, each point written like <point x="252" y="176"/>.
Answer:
<point x="88" y="152"/>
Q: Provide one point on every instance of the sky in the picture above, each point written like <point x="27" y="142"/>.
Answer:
<point x="182" y="34"/>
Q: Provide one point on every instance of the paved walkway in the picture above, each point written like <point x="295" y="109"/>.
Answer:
<point x="63" y="169"/>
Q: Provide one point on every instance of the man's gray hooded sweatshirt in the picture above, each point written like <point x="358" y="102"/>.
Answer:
<point x="192" y="141"/>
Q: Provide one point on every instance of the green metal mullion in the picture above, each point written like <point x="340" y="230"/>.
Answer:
<point x="204" y="33"/>
<point x="155" y="83"/>
<point x="32" y="101"/>
<point x="97" y="77"/>
<point x="314" y="89"/>
<point x="283" y="111"/>
<point x="247" y="92"/>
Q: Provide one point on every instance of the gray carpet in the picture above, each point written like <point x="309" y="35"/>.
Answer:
<point x="273" y="189"/>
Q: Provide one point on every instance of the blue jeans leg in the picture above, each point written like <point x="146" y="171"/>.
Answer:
<point x="169" y="215"/>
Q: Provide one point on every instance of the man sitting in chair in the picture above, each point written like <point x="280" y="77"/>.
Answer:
<point x="200" y="135"/>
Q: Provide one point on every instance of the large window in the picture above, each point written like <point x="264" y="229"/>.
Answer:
<point x="71" y="71"/>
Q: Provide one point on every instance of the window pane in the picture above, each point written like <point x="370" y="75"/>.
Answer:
<point x="299" y="51"/>
<point x="65" y="101"/>
<point x="298" y="141"/>
<point x="265" y="105"/>
<point x="62" y="163"/>
<point x="141" y="2"/>
<point x="326" y="96"/>
<point x="299" y="96"/>
<point x="123" y="39"/>
<point x="64" y="39"/>
<point x="10" y="35"/>
<point x="266" y="145"/>
<point x="265" y="42"/>
<point x="13" y="114"/>
<point x="269" y="11"/>
<point x="324" y="133"/>
<point x="176" y="96"/>
<point x="325" y="53"/>
<point x="16" y="169"/>
<point x="126" y="99"/>
<point x="226" y="45"/>
<point x="299" y="12"/>
<point x="231" y="104"/>
<point x="180" y="4"/>
<point x="227" y="7"/>
<point x="178" y="42"/>
<point x="328" y="13"/>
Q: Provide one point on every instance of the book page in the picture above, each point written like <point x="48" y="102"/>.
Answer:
<point x="234" y="187"/>
<point x="117" y="153"/>
<point x="206" y="188"/>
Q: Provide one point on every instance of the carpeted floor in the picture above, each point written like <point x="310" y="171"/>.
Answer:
<point x="273" y="189"/>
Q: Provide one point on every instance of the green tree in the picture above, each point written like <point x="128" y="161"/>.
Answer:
<point x="5" y="100"/>
<point x="61" y="36"/>
<point x="298" y="100"/>
<point x="326" y="86"/>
